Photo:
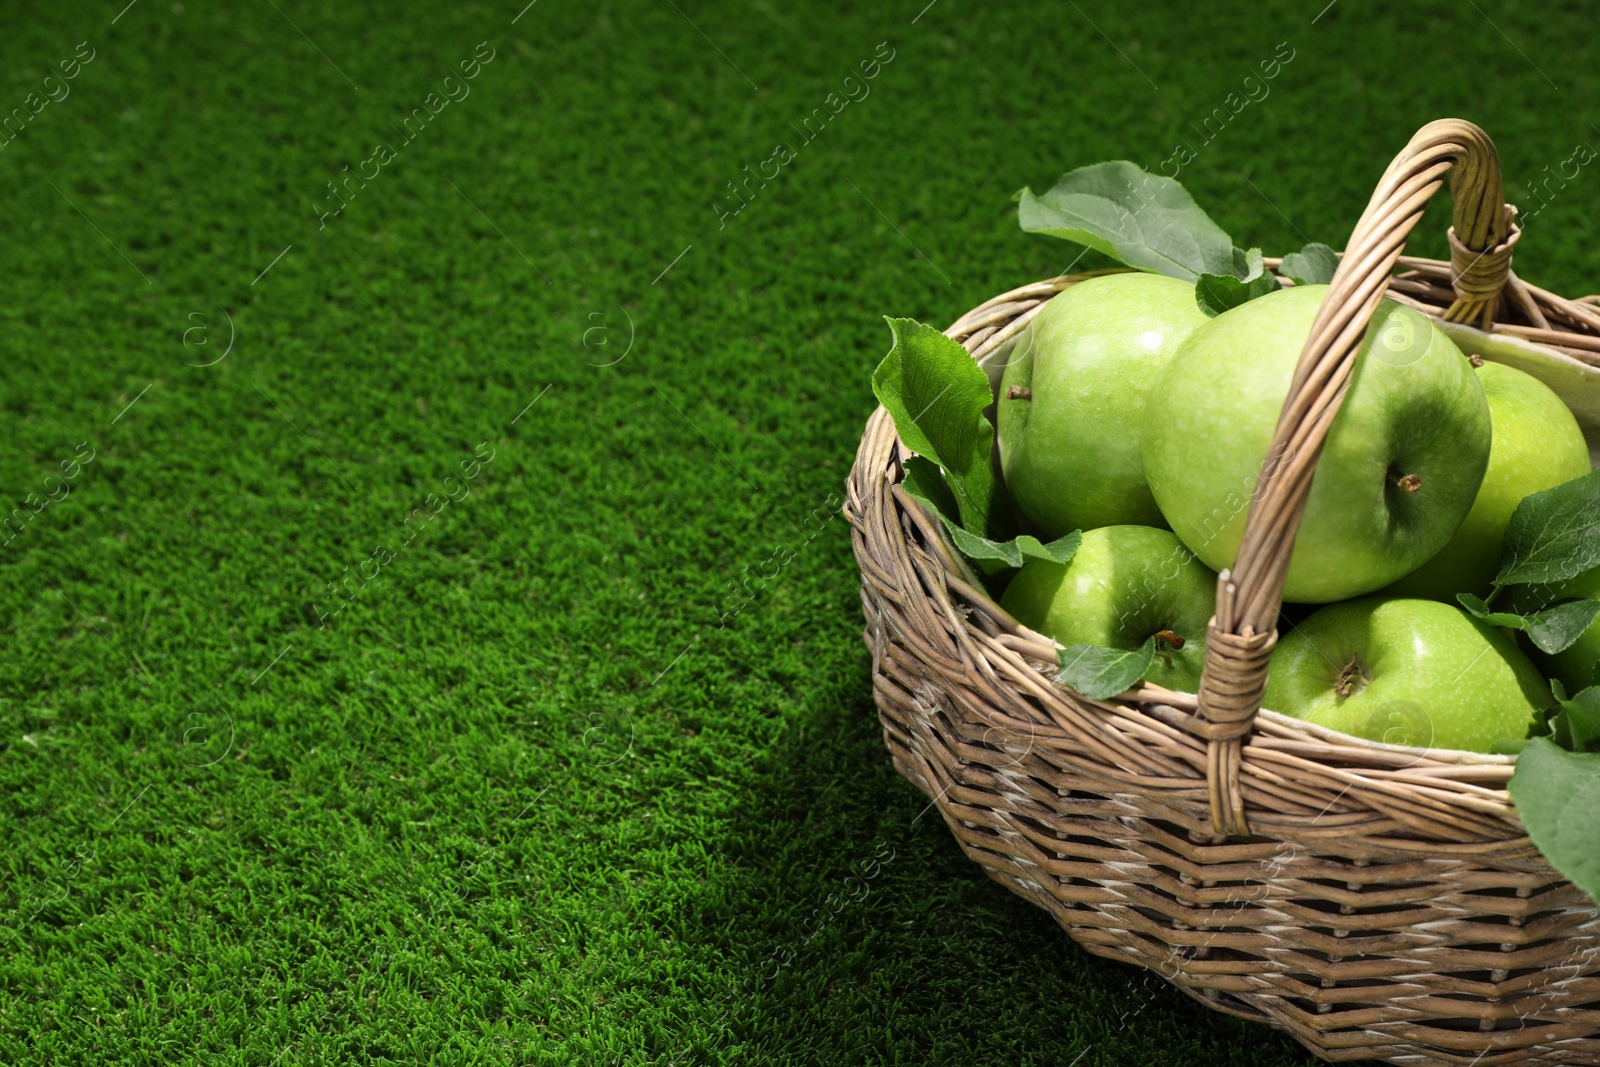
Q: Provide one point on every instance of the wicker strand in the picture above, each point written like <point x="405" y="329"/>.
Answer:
<point x="1232" y="691"/>
<point x="1479" y="277"/>
<point x="1248" y="603"/>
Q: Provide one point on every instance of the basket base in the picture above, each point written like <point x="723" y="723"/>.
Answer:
<point x="1356" y="960"/>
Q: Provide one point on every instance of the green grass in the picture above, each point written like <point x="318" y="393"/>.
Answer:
<point x="526" y="799"/>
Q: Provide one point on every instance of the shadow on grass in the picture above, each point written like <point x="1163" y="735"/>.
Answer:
<point x="855" y="931"/>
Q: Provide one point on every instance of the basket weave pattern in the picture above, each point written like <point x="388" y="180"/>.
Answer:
<point x="1375" y="901"/>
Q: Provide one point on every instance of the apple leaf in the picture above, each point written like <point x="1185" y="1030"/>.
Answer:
<point x="1553" y="535"/>
<point x="1554" y="629"/>
<point x="1216" y="293"/>
<point x="936" y="395"/>
<point x="1061" y="550"/>
<point x="924" y="482"/>
<point x="1557" y="794"/>
<point x="996" y="556"/>
<point x="1578" y="726"/>
<point x="1479" y="609"/>
<point x="1574" y="722"/>
<point x="1099" y="673"/>
<point x="1145" y="220"/>
<point x="1312" y="265"/>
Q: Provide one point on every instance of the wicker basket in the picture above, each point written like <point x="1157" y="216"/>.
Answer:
<point x="1375" y="901"/>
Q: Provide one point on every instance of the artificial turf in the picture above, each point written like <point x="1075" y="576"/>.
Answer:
<point x="540" y="785"/>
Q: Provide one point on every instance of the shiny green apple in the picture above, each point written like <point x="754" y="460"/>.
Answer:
<point x="1400" y="468"/>
<point x="1537" y="446"/>
<point x="1125" y="585"/>
<point x="1406" y="672"/>
<point x="1072" y="400"/>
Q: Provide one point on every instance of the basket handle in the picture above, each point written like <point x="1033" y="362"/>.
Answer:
<point x="1249" y="594"/>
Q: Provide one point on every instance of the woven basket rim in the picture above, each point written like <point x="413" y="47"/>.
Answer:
<point x="1059" y="282"/>
<point x="1413" y="265"/>
<point x="1472" y="781"/>
<point x="1185" y="699"/>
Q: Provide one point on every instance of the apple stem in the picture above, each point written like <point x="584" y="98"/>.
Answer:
<point x="1349" y="675"/>
<point x="1019" y="392"/>
<point x="1475" y="359"/>
<point x="1409" y="483"/>
<point x="1170" y="639"/>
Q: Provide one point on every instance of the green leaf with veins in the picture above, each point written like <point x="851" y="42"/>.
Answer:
<point x="1574" y="722"/>
<point x="1553" y="630"/>
<point x="1145" y="220"/>
<point x="1553" y="535"/>
<point x="996" y="556"/>
<point x="1312" y="265"/>
<point x="936" y="395"/>
<point x="1580" y="720"/>
<point x="1099" y="673"/>
<point x="1557" y="794"/>
<point x="1478" y="608"/>
<point x="1216" y="293"/>
<point x="924" y="482"/>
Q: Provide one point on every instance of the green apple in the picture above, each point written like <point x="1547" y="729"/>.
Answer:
<point x="1070" y="451"/>
<point x="1407" y="672"/>
<point x="1125" y="585"/>
<point x="1574" y="665"/>
<point x="1537" y="446"/>
<point x="1397" y="474"/>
